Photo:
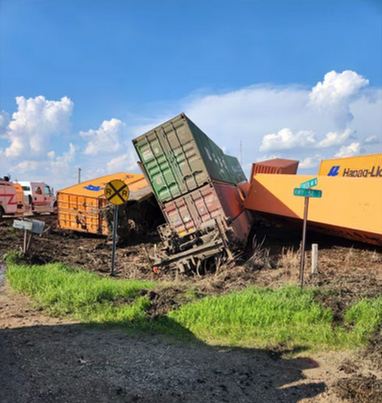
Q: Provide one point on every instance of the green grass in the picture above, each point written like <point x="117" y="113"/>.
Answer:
<point x="255" y="317"/>
<point x="64" y="290"/>
<point x="289" y="316"/>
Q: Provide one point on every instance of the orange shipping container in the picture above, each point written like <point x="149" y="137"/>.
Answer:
<point x="348" y="208"/>
<point x="275" y="166"/>
<point x="79" y="207"/>
<point x="363" y="166"/>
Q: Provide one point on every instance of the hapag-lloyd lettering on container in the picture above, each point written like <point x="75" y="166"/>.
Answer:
<point x="363" y="173"/>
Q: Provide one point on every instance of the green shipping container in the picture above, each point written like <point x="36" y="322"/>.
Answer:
<point x="236" y="169"/>
<point x="178" y="157"/>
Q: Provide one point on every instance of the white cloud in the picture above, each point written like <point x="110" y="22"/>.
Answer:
<point x="349" y="151"/>
<point x="4" y="122"/>
<point x="372" y="140"/>
<point x="285" y="122"/>
<point x="105" y="139"/>
<point x="286" y="140"/>
<point x="334" y="95"/>
<point x="125" y="162"/>
<point x="26" y="167"/>
<point x="249" y="114"/>
<point x="61" y="168"/>
<point x="34" y="122"/>
<point x="310" y="162"/>
<point x="335" y="138"/>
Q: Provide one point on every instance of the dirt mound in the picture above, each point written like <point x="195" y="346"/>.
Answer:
<point x="360" y="389"/>
<point x="160" y="303"/>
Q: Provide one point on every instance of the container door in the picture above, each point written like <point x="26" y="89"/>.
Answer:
<point x="186" y="214"/>
<point x="161" y="169"/>
<point x="181" y="215"/>
<point x="172" y="159"/>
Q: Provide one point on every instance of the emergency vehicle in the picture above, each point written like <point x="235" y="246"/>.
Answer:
<point x="11" y="197"/>
<point x="39" y="197"/>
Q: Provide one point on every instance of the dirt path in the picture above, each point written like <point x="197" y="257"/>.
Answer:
<point x="44" y="359"/>
<point x="50" y="360"/>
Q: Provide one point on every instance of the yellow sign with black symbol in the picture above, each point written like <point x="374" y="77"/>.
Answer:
<point x="117" y="192"/>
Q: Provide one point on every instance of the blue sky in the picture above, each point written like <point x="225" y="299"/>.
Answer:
<point x="80" y="79"/>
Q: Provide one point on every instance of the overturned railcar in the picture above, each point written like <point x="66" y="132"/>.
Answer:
<point x="83" y="207"/>
<point x="200" y="191"/>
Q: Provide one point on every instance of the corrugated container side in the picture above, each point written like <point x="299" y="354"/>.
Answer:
<point x="236" y="169"/>
<point x="275" y="166"/>
<point x="187" y="213"/>
<point x="213" y="156"/>
<point x="178" y="158"/>
<point x="171" y="159"/>
<point x="79" y="207"/>
<point x="353" y="205"/>
<point x="81" y="213"/>
<point x="364" y="166"/>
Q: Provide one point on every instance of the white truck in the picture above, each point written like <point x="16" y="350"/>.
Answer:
<point x="38" y="197"/>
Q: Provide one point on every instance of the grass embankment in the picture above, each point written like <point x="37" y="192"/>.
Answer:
<point x="67" y="291"/>
<point x="254" y="317"/>
<point x="288" y="316"/>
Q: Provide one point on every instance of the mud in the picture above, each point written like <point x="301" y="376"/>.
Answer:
<point x="360" y="389"/>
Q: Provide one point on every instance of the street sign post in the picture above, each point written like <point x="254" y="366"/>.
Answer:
<point x="305" y="191"/>
<point x="117" y="193"/>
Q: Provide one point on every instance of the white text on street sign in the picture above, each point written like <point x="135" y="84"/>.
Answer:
<point x="309" y="184"/>
<point x="307" y="192"/>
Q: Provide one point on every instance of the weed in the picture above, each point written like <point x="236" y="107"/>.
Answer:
<point x="375" y="257"/>
<point x="290" y="261"/>
<point x="260" y="258"/>
<point x="13" y="257"/>
<point x="349" y="259"/>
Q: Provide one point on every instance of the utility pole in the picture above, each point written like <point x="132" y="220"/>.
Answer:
<point x="79" y="175"/>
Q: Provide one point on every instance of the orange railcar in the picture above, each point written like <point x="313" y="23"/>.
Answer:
<point x="348" y="208"/>
<point x="79" y="207"/>
<point x="362" y="166"/>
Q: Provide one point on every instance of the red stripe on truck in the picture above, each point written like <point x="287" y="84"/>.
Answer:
<point x="10" y="202"/>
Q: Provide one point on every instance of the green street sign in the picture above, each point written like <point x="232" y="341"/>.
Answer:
<point x="307" y="192"/>
<point x="309" y="184"/>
